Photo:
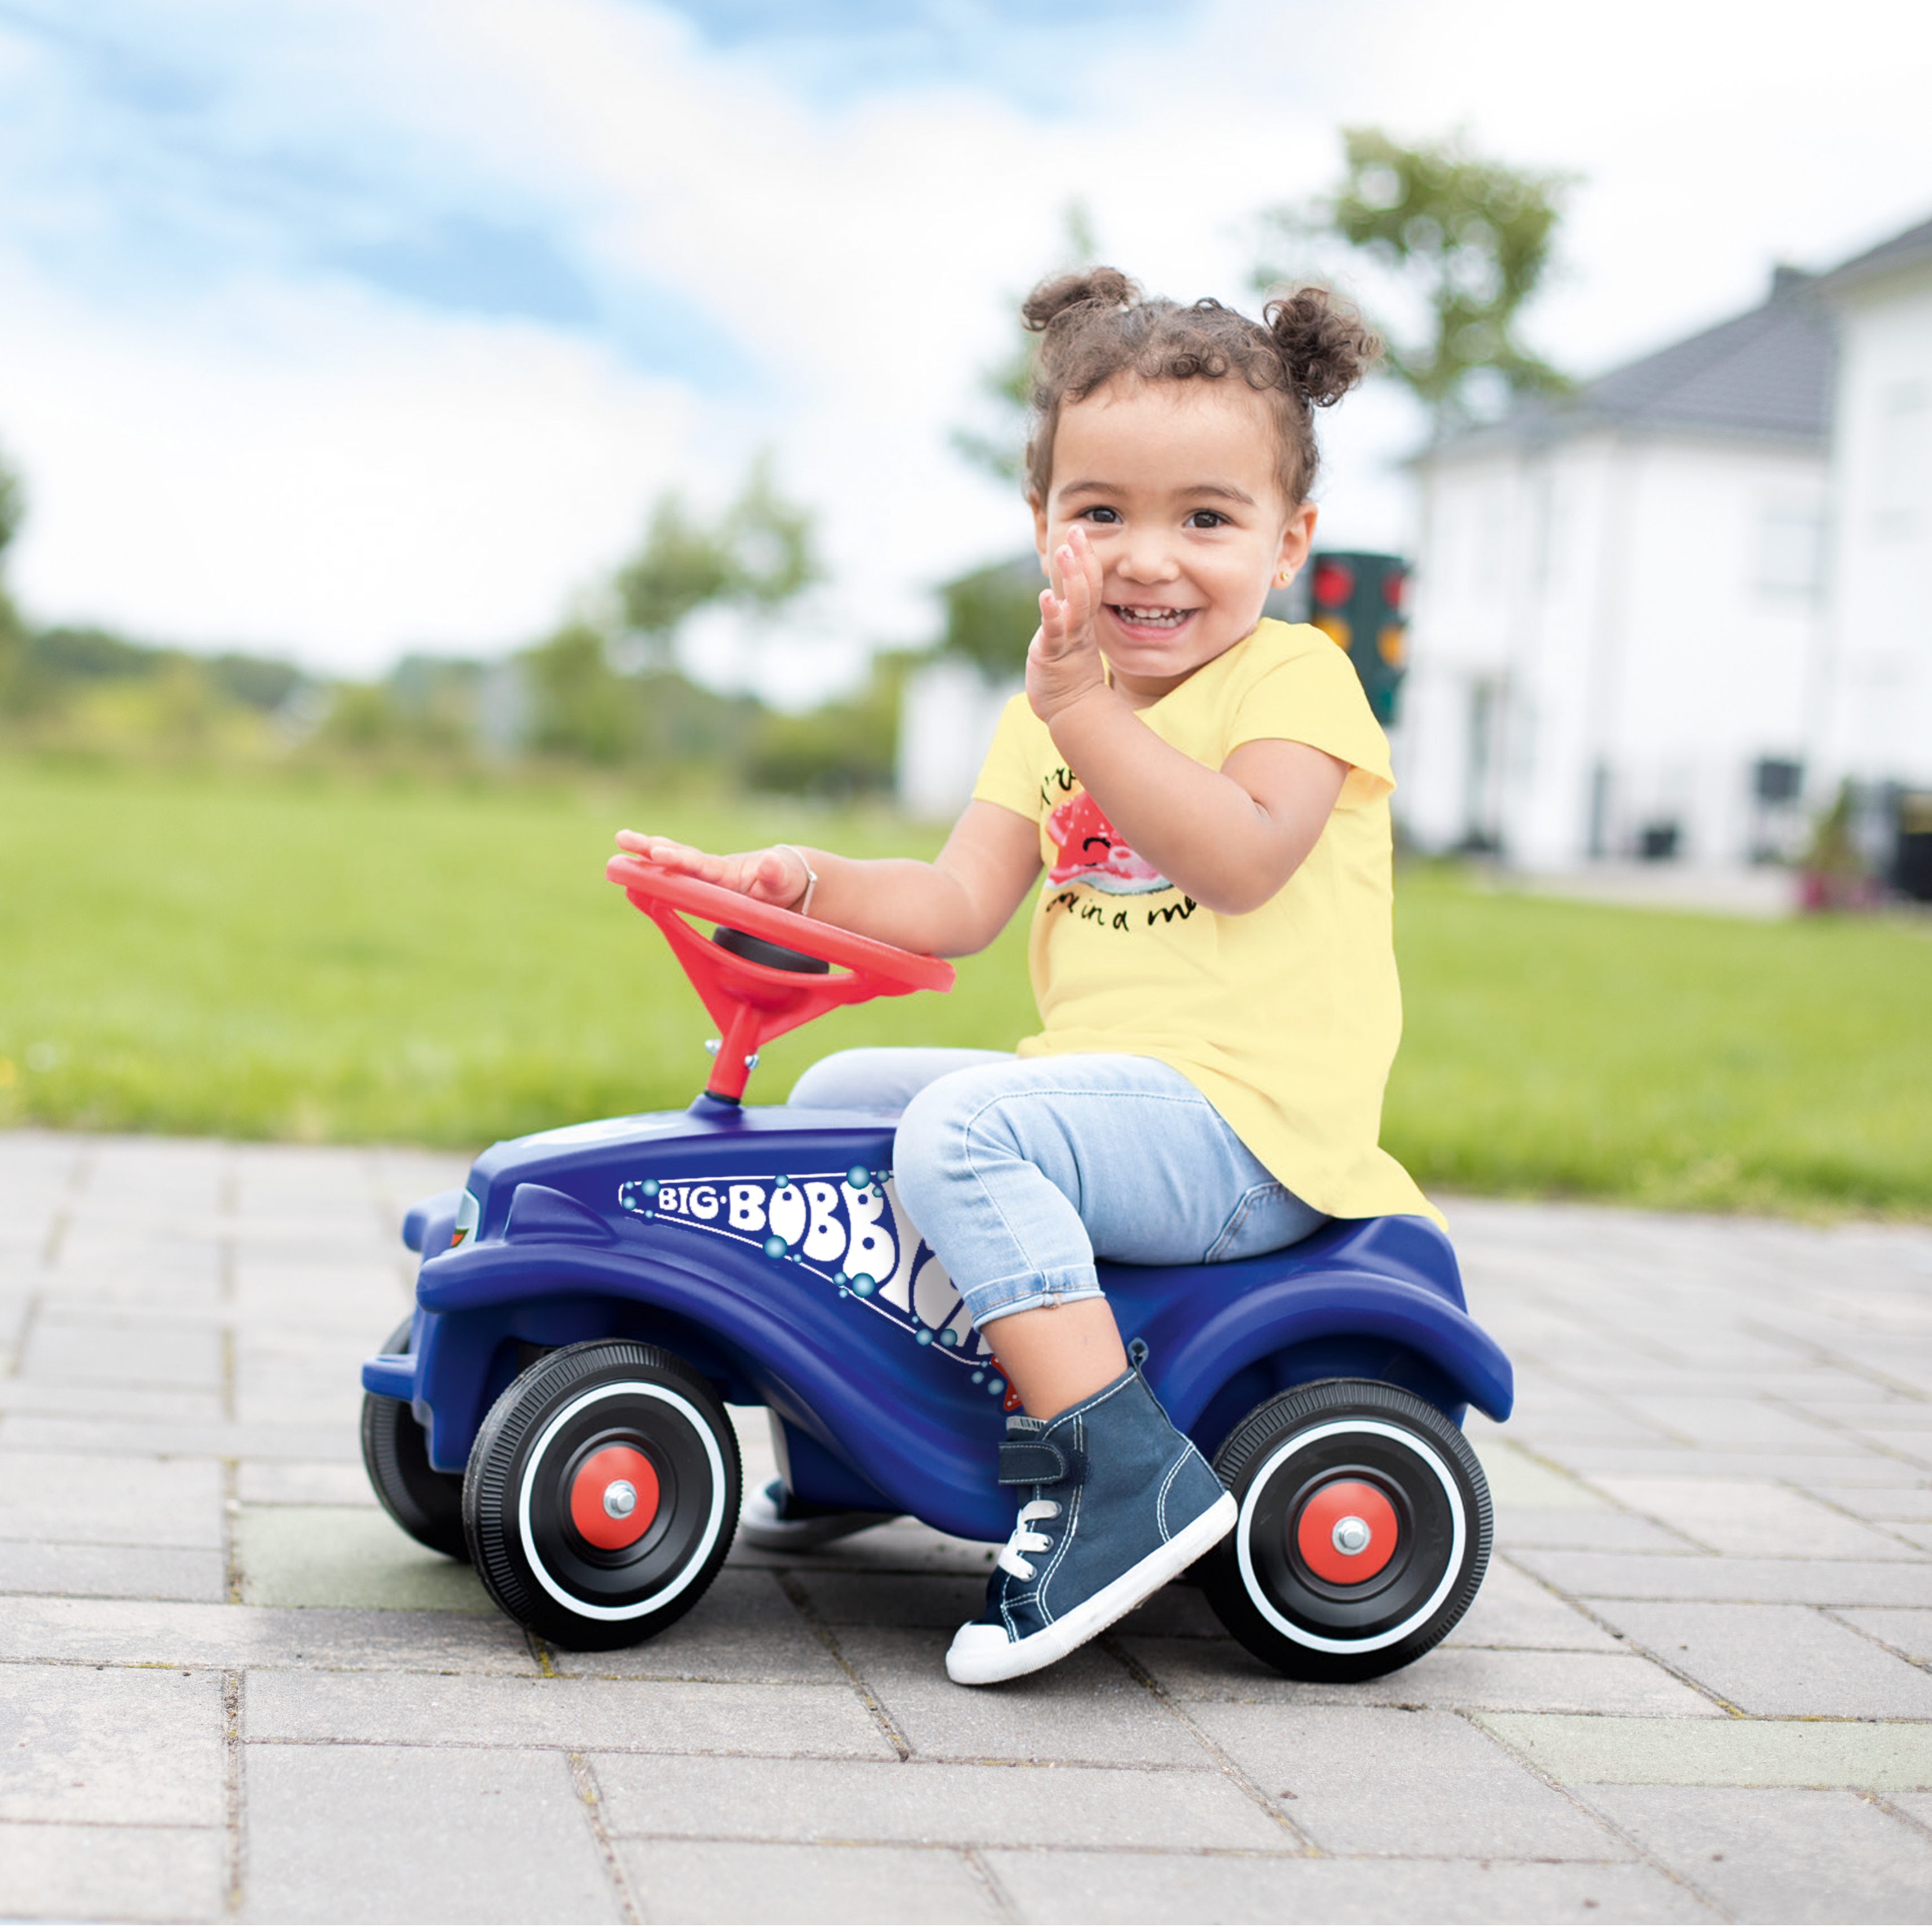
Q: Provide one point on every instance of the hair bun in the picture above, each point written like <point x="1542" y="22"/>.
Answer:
<point x="1086" y="288"/>
<point x="1326" y="348"/>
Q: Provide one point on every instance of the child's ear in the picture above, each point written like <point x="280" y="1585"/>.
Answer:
<point x="1039" y="534"/>
<point x="1297" y="538"/>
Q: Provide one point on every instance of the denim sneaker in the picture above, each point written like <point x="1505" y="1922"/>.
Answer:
<point x="1118" y="1503"/>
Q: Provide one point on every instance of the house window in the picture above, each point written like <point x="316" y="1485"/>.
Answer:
<point x="1790" y="549"/>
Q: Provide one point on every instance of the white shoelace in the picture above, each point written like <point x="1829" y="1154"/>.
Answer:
<point x="1028" y="1540"/>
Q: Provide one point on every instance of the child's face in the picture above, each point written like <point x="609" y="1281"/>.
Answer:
<point x="1175" y="485"/>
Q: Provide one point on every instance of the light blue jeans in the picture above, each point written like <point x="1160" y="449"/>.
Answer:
<point x="1020" y="1171"/>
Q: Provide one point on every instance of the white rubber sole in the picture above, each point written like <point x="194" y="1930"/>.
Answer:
<point x="983" y="1653"/>
<point x="763" y="1527"/>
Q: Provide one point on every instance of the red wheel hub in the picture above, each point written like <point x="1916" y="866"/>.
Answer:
<point x="1347" y="1532"/>
<point x="613" y="1497"/>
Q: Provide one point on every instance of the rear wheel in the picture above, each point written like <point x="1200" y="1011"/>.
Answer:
<point x="424" y="1502"/>
<point x="1363" y="1532"/>
<point x="601" y="1494"/>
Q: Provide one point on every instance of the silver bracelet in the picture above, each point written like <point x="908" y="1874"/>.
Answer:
<point x="804" y="906"/>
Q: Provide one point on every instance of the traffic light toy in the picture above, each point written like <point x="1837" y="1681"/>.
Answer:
<point x="590" y="1300"/>
<point x="1359" y="598"/>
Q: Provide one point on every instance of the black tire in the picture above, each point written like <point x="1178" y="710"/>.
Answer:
<point x="424" y="1502"/>
<point x="1386" y="1468"/>
<point x="570" y="1431"/>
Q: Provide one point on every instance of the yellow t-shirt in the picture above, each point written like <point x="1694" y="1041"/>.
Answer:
<point x="1285" y="1018"/>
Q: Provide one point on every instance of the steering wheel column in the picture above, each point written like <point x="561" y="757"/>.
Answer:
<point x="750" y="1001"/>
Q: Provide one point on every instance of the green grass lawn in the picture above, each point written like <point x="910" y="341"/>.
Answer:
<point x="322" y="959"/>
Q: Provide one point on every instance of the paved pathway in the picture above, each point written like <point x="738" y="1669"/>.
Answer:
<point x="1694" y="1687"/>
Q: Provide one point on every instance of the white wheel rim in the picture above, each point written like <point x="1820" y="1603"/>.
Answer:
<point x="616" y="1613"/>
<point x="1250" y="1503"/>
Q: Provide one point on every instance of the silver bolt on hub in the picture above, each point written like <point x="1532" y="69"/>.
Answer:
<point x="619" y="1499"/>
<point x="1351" y="1536"/>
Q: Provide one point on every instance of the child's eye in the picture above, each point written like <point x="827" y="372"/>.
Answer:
<point x="1099" y="514"/>
<point x="1205" y="520"/>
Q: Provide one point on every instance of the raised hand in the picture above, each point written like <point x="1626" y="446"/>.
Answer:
<point x="1064" y="664"/>
<point x="776" y="876"/>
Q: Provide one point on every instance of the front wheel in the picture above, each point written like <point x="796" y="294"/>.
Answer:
<point x="1363" y="1531"/>
<point x="601" y="1494"/>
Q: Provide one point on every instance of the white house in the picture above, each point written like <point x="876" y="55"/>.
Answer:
<point x="1617" y="640"/>
<point x="1878" y="727"/>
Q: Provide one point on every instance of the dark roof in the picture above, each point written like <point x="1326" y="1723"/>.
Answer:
<point x="1766" y="374"/>
<point x="1903" y="251"/>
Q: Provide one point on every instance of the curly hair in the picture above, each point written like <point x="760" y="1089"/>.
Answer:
<point x="1307" y="353"/>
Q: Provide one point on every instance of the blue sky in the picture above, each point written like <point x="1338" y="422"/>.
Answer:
<point x="345" y="327"/>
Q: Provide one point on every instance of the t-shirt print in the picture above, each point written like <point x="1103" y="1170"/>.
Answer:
<point x="1093" y="853"/>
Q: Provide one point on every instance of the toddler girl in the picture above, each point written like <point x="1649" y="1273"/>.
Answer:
<point x="1211" y="950"/>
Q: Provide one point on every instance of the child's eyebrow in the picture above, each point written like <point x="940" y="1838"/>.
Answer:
<point x="1085" y="486"/>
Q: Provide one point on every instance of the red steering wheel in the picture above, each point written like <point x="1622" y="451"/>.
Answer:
<point x="753" y="1002"/>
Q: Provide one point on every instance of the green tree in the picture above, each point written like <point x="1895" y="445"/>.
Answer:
<point x="15" y="672"/>
<point x="1006" y="385"/>
<point x="759" y="553"/>
<point x="1473" y="238"/>
<point x="991" y="614"/>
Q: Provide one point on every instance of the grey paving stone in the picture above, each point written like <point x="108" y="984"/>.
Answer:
<point x="112" y="1570"/>
<point x="1892" y="1502"/>
<point x="105" y="1349"/>
<point x="722" y="1883"/>
<point x="342" y="1833"/>
<point x="1803" y="1857"/>
<point x="346" y="1483"/>
<point x="1747" y="1519"/>
<point x="1402" y="1784"/>
<point x="1919" y="1535"/>
<point x="346" y="1557"/>
<point x="1161" y="1889"/>
<point x="744" y="1627"/>
<point x="1777" y="1660"/>
<point x="790" y="1801"/>
<point x="87" y="1403"/>
<point x="1086" y="1709"/>
<point x="1454" y="1680"/>
<point x="1908" y="1630"/>
<point x="1905" y="1583"/>
<point x="237" y="1637"/>
<point x="1726" y="1751"/>
<point x="77" y="1498"/>
<point x="111" y="1434"/>
<point x="97" y="1746"/>
<point x="896" y="1602"/>
<point x="1519" y="1481"/>
<point x="142" y="1873"/>
<point x="369" y="1294"/>
<point x="1853" y="1466"/>
<point x="1514" y="1610"/>
<point x="568" y="1713"/>
<point x="1585" y="1529"/>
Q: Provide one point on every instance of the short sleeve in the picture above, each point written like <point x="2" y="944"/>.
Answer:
<point x="1312" y="696"/>
<point x="1011" y="774"/>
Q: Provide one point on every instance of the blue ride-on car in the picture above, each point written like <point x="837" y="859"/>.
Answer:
<point x="554" y="1411"/>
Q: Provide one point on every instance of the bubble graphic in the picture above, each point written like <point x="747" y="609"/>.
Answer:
<point x="856" y="1177"/>
<point x="925" y="1336"/>
<point x="863" y="1284"/>
<point x="775" y="1247"/>
<point x="650" y="1187"/>
<point x="979" y="1376"/>
<point x="995" y="1386"/>
<point x="781" y="1181"/>
<point x="947" y="1336"/>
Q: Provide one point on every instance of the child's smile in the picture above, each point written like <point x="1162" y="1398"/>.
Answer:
<point x="1174" y="485"/>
